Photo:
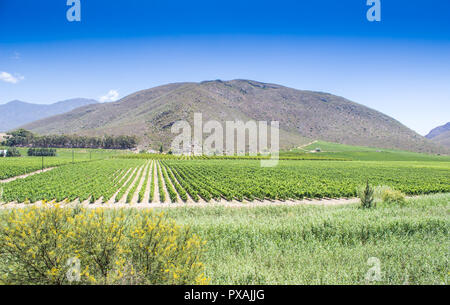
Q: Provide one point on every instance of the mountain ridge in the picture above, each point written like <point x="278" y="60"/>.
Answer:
<point x="440" y="135"/>
<point x="303" y="115"/>
<point x="16" y="113"/>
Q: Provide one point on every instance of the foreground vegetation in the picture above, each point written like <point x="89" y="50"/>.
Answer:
<point x="324" y="244"/>
<point x="407" y="244"/>
<point x="55" y="245"/>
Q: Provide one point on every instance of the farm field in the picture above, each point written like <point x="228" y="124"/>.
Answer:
<point x="360" y="153"/>
<point x="11" y="167"/>
<point x="146" y="180"/>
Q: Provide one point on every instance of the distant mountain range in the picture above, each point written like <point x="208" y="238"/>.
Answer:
<point x="440" y="135"/>
<point x="17" y="113"/>
<point x="303" y="115"/>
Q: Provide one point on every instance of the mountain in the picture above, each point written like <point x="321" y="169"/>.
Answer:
<point x="440" y="135"/>
<point x="17" y="113"/>
<point x="303" y="115"/>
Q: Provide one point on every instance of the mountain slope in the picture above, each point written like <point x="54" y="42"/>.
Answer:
<point x="440" y="135"/>
<point x="302" y="115"/>
<point x="17" y="113"/>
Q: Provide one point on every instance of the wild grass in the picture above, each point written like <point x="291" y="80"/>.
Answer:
<point x="323" y="244"/>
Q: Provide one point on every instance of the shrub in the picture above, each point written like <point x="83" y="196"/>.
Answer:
<point x="379" y="190"/>
<point x="365" y="194"/>
<point x="39" y="152"/>
<point x="393" y="197"/>
<point x="55" y="245"/>
<point x="12" y="152"/>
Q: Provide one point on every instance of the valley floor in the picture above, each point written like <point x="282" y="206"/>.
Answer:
<point x="273" y="241"/>
<point x="200" y="204"/>
<point x="156" y="183"/>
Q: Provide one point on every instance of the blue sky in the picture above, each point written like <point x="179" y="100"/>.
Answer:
<point x="400" y="66"/>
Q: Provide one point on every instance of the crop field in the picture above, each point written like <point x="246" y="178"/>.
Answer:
<point x="360" y="153"/>
<point x="11" y="167"/>
<point x="139" y="180"/>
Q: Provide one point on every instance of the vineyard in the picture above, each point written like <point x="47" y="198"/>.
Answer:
<point x="144" y="180"/>
<point x="11" y="167"/>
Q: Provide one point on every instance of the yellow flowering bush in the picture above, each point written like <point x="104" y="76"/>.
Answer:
<point x="390" y="196"/>
<point x="56" y="245"/>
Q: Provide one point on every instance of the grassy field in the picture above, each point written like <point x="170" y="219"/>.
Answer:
<point x="320" y="244"/>
<point x="362" y="153"/>
<point x="324" y="245"/>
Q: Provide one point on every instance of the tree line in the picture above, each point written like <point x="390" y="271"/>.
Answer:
<point x="25" y="138"/>
<point x="41" y="152"/>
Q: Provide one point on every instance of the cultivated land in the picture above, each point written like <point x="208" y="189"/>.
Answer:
<point x="122" y="180"/>
<point x="273" y="237"/>
<point x="334" y="172"/>
<point x="12" y="167"/>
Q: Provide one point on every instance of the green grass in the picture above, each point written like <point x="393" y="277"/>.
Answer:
<point x="336" y="147"/>
<point x="362" y="153"/>
<point x="324" y="245"/>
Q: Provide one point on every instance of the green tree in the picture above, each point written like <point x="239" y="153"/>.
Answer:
<point x="366" y="196"/>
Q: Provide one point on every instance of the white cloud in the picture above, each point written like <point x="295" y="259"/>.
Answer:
<point x="7" y="77"/>
<point x="111" y="96"/>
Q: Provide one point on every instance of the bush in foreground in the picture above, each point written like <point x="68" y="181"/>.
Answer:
<point x="371" y="196"/>
<point x="365" y="194"/>
<point x="55" y="245"/>
<point x="393" y="197"/>
<point x="389" y="196"/>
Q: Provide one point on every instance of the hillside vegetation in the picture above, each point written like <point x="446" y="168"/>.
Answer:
<point x="303" y="115"/>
